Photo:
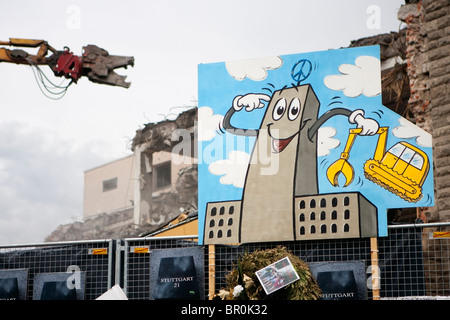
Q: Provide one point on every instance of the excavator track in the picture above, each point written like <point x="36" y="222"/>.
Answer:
<point x="392" y="181"/>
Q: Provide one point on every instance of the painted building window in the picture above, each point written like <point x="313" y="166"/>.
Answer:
<point x="109" y="184"/>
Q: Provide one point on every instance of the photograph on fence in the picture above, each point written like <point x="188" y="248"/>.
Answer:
<point x="277" y="275"/>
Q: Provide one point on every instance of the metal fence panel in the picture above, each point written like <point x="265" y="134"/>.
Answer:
<point x="436" y="259"/>
<point x="137" y="252"/>
<point x="95" y="258"/>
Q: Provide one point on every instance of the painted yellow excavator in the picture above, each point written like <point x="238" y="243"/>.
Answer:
<point x="401" y="170"/>
<point x="95" y="63"/>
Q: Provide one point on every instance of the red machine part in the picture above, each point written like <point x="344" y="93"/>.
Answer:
<point x="69" y="66"/>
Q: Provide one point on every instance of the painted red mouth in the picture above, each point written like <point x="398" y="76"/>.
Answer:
<point x="278" y="145"/>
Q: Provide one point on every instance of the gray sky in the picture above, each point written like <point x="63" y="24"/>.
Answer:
<point x="46" y="145"/>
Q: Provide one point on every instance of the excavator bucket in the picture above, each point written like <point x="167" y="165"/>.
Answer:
<point x="336" y="168"/>
<point x="99" y="65"/>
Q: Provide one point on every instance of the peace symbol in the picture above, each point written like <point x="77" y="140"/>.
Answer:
<point x="301" y="70"/>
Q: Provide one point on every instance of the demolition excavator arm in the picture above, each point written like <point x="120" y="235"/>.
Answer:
<point x="95" y="63"/>
<point x="401" y="170"/>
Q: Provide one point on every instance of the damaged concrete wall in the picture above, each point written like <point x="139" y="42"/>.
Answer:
<point x="152" y="208"/>
<point x="153" y="145"/>
<point x="101" y="226"/>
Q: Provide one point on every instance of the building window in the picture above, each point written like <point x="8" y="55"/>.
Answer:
<point x="302" y="204"/>
<point x="346" y="201"/>
<point x="163" y="175"/>
<point x="346" y="227"/>
<point x="334" y="228"/>
<point x="110" y="184"/>
<point x="323" y="215"/>
<point x="334" y="202"/>
<point x="347" y="214"/>
<point x="334" y="215"/>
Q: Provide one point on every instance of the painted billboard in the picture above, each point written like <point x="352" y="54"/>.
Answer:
<point x="299" y="146"/>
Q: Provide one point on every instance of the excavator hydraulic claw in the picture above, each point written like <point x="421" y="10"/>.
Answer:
<point x="99" y="66"/>
<point x="341" y="165"/>
<point x="95" y="63"/>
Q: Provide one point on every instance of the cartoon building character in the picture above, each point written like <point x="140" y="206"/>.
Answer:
<point x="288" y="133"/>
<point x="280" y="199"/>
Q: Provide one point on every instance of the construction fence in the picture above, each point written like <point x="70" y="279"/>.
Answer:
<point x="413" y="261"/>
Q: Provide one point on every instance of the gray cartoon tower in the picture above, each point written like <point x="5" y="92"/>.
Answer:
<point x="283" y="146"/>
<point x="280" y="200"/>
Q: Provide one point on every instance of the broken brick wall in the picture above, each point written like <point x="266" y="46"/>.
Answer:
<point x="428" y="68"/>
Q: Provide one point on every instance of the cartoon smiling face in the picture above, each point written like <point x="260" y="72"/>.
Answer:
<point x="283" y="118"/>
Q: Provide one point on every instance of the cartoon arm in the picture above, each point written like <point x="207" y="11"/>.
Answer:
<point x="250" y="101"/>
<point x="368" y="126"/>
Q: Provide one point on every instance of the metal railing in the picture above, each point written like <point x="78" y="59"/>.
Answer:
<point x="413" y="260"/>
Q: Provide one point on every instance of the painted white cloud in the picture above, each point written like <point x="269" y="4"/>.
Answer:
<point x="364" y="77"/>
<point x="255" y="69"/>
<point x="233" y="169"/>
<point x="208" y="123"/>
<point x="407" y="129"/>
<point x="325" y="141"/>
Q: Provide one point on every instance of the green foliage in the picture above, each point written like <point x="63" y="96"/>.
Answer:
<point x="244" y="273"/>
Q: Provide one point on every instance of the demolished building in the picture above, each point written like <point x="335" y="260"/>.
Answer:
<point x="164" y="186"/>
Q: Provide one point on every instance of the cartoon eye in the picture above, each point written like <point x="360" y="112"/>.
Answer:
<point x="294" y="109"/>
<point x="280" y="108"/>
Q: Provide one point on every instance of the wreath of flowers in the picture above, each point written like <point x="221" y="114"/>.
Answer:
<point x="243" y="284"/>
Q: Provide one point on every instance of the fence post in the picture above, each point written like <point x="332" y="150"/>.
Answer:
<point x="211" y="270"/>
<point x="375" y="269"/>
